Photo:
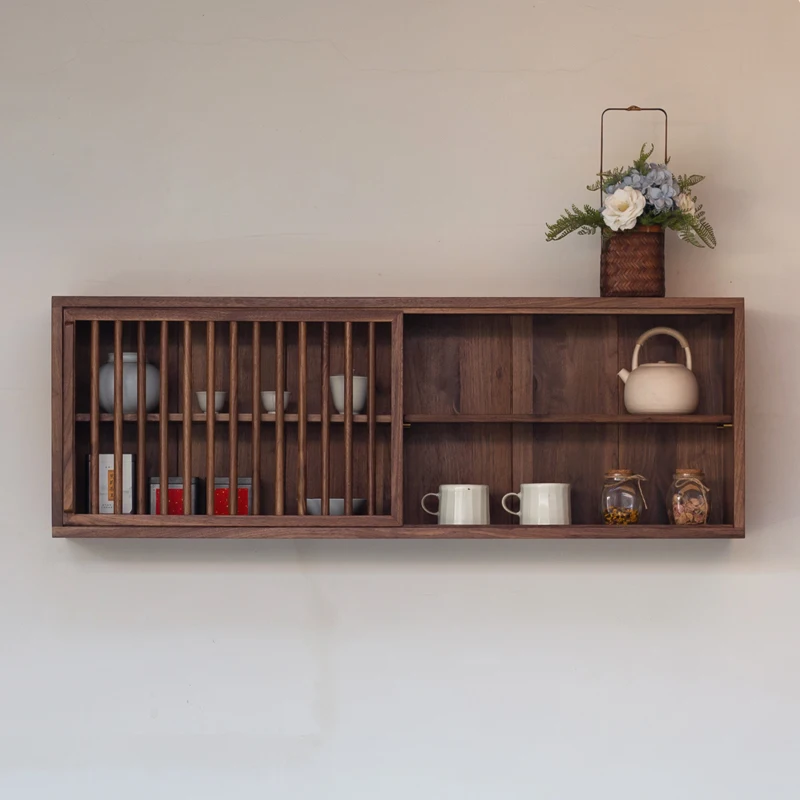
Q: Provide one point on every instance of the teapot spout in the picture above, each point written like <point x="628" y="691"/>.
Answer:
<point x="624" y="374"/>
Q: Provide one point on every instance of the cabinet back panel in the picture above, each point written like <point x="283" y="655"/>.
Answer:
<point x="575" y="365"/>
<point x="456" y="364"/>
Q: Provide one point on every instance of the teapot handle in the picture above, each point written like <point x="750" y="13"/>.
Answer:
<point x="669" y="332"/>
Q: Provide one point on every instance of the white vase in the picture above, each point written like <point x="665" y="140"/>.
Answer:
<point x="129" y="384"/>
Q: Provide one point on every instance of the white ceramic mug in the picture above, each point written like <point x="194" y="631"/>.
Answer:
<point x="460" y="504"/>
<point x="542" y="504"/>
<point x="360" y="385"/>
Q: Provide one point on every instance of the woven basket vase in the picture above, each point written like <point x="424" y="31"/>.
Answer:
<point x="632" y="263"/>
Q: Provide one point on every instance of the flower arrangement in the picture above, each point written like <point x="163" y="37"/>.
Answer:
<point x="644" y="195"/>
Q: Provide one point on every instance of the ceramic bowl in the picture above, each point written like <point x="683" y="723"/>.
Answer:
<point x="219" y="401"/>
<point x="360" y="384"/>
<point x="314" y="506"/>
<point x="268" y="401"/>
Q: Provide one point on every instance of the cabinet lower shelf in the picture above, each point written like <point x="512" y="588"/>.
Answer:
<point x="99" y="531"/>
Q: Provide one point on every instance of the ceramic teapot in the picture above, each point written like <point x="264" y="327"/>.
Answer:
<point x="660" y="388"/>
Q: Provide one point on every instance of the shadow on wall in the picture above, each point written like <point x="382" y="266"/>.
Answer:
<point x="565" y="554"/>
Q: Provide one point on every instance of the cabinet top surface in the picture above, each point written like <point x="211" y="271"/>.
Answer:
<point x="421" y="304"/>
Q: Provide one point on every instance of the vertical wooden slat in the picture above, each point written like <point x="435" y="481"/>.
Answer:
<point x="233" y="425"/>
<point x="371" y="422"/>
<point x="522" y="361"/>
<point x="348" y="418"/>
<point x="94" y="416"/>
<point x="397" y="419"/>
<point x="302" y="418"/>
<point x="280" y="383"/>
<point x="141" y="418"/>
<point x="119" y="469"/>
<point x="163" y="420"/>
<point x="187" y="417"/>
<point x="326" y="419"/>
<point x="256" y="485"/>
<point x="211" y="416"/>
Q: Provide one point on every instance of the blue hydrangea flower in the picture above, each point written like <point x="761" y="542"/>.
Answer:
<point x="657" y="184"/>
<point x="662" y="188"/>
<point x="633" y="179"/>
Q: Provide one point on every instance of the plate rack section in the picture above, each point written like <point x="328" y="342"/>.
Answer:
<point x="131" y="380"/>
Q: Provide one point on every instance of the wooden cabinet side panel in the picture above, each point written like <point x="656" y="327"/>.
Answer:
<point x="56" y="391"/>
<point x="739" y="418"/>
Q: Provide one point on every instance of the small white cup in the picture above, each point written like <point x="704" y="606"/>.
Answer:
<point x="460" y="504"/>
<point x="268" y="401"/>
<point x="360" y="384"/>
<point x="542" y="504"/>
<point x="219" y="401"/>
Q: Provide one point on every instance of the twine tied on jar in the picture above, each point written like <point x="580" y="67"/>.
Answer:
<point x="684" y="481"/>
<point x="621" y="476"/>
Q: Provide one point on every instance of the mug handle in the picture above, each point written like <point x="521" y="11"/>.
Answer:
<point x="503" y="503"/>
<point x="425" y="508"/>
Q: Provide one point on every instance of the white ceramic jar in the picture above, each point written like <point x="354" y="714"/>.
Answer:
<point x="129" y="384"/>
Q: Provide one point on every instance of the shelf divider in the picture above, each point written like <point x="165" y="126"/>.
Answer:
<point x="302" y="405"/>
<point x="348" y="418"/>
<point x="371" y="421"/>
<point x="94" y="416"/>
<point x="141" y="417"/>
<point x="280" y="385"/>
<point x="163" y="431"/>
<point x="233" y="424"/>
<point x="571" y="419"/>
<point x="119" y="470"/>
<point x="325" y="419"/>
<point x="211" y="382"/>
<point x="256" y="485"/>
<point x="187" y="417"/>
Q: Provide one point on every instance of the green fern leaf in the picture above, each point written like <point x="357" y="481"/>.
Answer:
<point x="687" y="181"/>
<point x="644" y="154"/>
<point x="584" y="221"/>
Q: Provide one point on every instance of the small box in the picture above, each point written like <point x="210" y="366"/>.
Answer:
<point x="174" y="496"/>
<point x="222" y="497"/>
<point x="109" y="483"/>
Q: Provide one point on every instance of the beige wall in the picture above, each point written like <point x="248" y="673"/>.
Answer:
<point x="415" y="147"/>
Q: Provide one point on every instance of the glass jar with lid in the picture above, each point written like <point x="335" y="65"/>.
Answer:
<point x="622" y="500"/>
<point x="687" y="498"/>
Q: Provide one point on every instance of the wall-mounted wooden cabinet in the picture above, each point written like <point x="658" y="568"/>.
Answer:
<point x="489" y="391"/>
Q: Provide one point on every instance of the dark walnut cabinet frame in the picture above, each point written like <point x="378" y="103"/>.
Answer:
<point x="497" y="391"/>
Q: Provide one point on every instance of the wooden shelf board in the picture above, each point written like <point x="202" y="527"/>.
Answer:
<point x="568" y="419"/>
<point x="214" y="307"/>
<point x="405" y="532"/>
<point x="459" y="419"/>
<point x="245" y="417"/>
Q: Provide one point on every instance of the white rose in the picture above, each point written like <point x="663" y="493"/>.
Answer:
<point x="623" y="208"/>
<point x="685" y="203"/>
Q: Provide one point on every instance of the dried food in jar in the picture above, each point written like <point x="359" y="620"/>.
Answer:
<point x="620" y="516"/>
<point x="687" y="498"/>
